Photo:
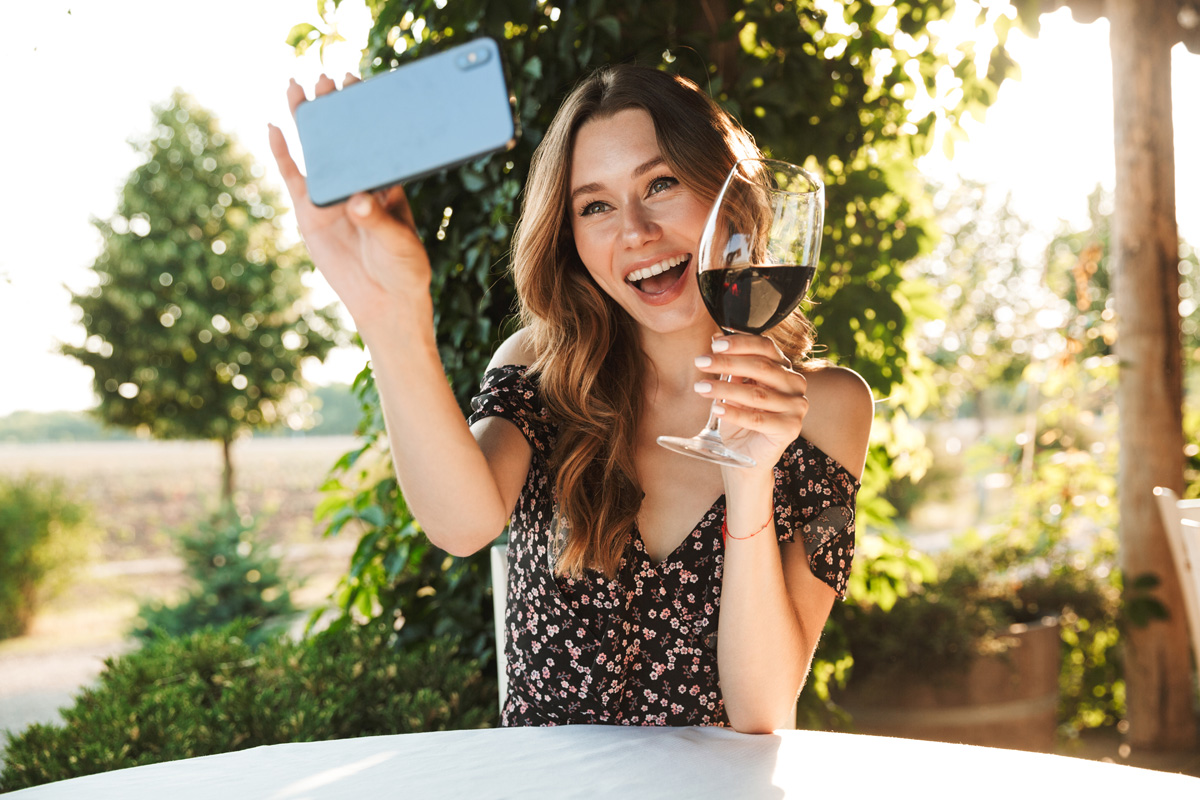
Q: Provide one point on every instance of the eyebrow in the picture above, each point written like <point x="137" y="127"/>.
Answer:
<point x="587" y="188"/>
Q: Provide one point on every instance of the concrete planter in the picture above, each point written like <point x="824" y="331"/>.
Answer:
<point x="1002" y="700"/>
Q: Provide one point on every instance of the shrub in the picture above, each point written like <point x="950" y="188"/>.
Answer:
<point x="212" y="692"/>
<point x="980" y="588"/>
<point x="41" y="536"/>
<point x="234" y="577"/>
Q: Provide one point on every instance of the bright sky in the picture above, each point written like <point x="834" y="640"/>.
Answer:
<point x="79" y="84"/>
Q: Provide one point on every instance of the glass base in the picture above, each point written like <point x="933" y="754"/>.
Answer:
<point x="707" y="448"/>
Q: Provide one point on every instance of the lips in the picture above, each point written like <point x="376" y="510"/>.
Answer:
<point x="660" y="276"/>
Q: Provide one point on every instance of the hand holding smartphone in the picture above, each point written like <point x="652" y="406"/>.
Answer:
<point x="428" y="115"/>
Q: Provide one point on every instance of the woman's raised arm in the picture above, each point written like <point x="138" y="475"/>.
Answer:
<point x="461" y="490"/>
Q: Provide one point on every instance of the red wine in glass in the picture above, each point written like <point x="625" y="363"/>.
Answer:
<point x="755" y="298"/>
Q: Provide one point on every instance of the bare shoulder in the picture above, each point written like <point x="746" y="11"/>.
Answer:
<point x="842" y="388"/>
<point x="516" y="350"/>
<point x="840" y="411"/>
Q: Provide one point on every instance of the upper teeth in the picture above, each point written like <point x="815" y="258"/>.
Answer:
<point x="655" y="269"/>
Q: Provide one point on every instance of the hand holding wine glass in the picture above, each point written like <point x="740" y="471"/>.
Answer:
<point x="757" y="257"/>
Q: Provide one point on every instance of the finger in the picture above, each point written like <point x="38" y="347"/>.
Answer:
<point x="395" y="200"/>
<point x="745" y="343"/>
<point x="350" y="80"/>
<point x="295" y="95"/>
<point x="292" y="177"/>
<point x="762" y="369"/>
<point x="781" y="427"/>
<point x="325" y="85"/>
<point x="368" y="214"/>
<point x="756" y="396"/>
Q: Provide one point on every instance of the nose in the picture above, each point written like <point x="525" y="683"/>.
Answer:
<point x="638" y="226"/>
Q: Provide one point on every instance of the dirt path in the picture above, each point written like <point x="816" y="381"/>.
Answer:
<point x="35" y="685"/>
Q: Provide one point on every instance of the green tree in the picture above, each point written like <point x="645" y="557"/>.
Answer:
<point x="856" y="90"/>
<point x="43" y="536"/>
<point x="198" y="324"/>
<point x="997" y="305"/>
<point x="233" y="576"/>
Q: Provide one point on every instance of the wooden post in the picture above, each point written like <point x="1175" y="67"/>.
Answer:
<point x="1145" y="254"/>
<point x="227" y="470"/>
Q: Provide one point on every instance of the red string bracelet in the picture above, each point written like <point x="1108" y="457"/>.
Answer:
<point x="725" y="534"/>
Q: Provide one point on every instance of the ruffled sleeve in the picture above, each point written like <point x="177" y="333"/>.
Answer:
<point x="814" y="502"/>
<point x="510" y="393"/>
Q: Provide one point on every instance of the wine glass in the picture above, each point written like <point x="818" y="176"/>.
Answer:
<point x="757" y="257"/>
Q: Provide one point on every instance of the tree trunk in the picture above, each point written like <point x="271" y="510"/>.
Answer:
<point x="227" y="471"/>
<point x="1145" y="253"/>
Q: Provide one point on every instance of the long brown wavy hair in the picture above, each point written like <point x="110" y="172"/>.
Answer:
<point x="587" y="351"/>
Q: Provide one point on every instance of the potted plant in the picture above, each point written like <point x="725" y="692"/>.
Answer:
<point x="970" y="647"/>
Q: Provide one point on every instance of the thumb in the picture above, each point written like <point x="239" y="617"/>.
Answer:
<point x="369" y="215"/>
<point x="365" y="212"/>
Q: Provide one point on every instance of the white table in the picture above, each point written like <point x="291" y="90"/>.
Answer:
<point x="626" y="763"/>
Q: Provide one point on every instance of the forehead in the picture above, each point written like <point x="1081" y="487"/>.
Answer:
<point x="611" y="147"/>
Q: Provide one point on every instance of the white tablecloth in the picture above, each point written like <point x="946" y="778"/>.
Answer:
<point x="626" y="763"/>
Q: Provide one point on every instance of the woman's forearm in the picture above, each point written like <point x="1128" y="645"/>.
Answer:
<point x="444" y="475"/>
<point x="764" y="648"/>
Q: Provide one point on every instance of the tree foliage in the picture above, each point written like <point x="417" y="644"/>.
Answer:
<point x="1018" y="308"/>
<point x="43" y="537"/>
<point x="197" y="326"/>
<point x="233" y="576"/>
<point x="856" y="90"/>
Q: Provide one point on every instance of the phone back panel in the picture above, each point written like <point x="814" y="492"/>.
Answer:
<point x="425" y="116"/>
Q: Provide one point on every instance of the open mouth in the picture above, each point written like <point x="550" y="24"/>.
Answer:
<point x="657" y="278"/>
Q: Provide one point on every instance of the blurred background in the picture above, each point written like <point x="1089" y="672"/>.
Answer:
<point x="969" y="150"/>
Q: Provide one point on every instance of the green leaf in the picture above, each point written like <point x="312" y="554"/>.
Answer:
<point x="327" y="505"/>
<point x="472" y="181"/>
<point x="610" y="26"/>
<point x="374" y="516"/>
<point x="301" y="36"/>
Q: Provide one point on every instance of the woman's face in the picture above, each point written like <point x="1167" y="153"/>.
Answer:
<point x="636" y="226"/>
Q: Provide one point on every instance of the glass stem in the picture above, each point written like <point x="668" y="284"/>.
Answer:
<point x="712" y="428"/>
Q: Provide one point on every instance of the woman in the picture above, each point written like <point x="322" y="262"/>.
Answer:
<point x="614" y="587"/>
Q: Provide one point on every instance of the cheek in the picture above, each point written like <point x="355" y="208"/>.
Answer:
<point x="593" y="249"/>
<point x="692" y="217"/>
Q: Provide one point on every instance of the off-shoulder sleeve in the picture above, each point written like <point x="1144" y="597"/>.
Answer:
<point x="814" y="502"/>
<point x="509" y="392"/>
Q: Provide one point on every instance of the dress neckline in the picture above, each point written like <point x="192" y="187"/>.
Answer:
<point x="718" y="505"/>
<point x="677" y="555"/>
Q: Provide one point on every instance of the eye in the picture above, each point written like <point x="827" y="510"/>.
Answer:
<point x="592" y="208"/>
<point x="663" y="183"/>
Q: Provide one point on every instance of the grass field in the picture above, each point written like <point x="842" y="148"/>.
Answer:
<point x="142" y="493"/>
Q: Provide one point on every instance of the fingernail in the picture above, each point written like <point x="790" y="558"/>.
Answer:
<point x="720" y="345"/>
<point x="361" y="206"/>
<point x="703" y="361"/>
<point x="702" y="387"/>
<point x="718" y="409"/>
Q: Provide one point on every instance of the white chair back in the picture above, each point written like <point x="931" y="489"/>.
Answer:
<point x="1181" y="519"/>
<point x="499" y="603"/>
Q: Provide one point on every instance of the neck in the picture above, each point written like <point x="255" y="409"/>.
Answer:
<point x="671" y="359"/>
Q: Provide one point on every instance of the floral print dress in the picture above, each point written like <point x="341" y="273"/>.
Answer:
<point x="640" y="649"/>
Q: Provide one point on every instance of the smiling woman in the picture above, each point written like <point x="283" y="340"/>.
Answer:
<point x="644" y="589"/>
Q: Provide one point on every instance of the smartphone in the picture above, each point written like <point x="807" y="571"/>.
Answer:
<point x="433" y="113"/>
